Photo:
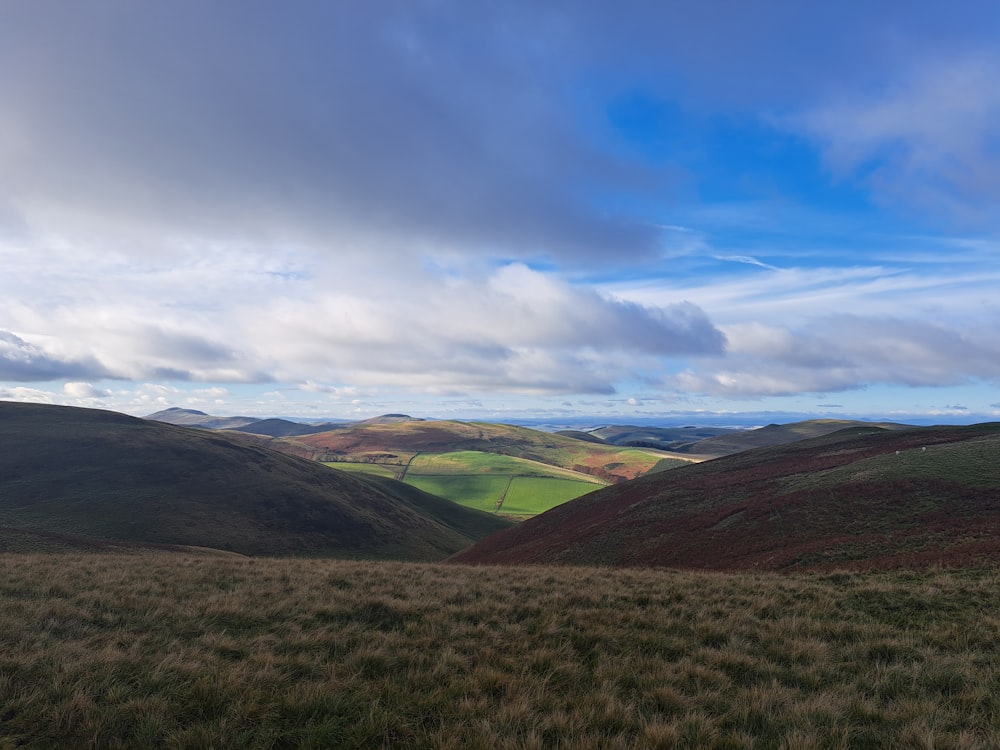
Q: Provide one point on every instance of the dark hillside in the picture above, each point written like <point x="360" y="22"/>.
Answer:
<point x="859" y="498"/>
<point x="196" y="418"/>
<point x="735" y="441"/>
<point x="679" y="439"/>
<point x="107" y="476"/>
<point x="275" y="427"/>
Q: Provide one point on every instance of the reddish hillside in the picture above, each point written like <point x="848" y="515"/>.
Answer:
<point x="859" y="498"/>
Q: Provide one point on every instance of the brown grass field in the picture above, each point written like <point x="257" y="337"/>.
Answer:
<point x="187" y="651"/>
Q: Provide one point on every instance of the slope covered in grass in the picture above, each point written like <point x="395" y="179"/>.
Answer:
<point x="514" y="487"/>
<point x="176" y="651"/>
<point x="97" y="475"/>
<point x="396" y="442"/>
<point x="863" y="497"/>
<point x="664" y="438"/>
<point x="734" y="441"/>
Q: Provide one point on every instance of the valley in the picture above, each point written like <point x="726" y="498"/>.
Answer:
<point x="516" y="471"/>
<point x="811" y="585"/>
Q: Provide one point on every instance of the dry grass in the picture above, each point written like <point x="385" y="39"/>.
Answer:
<point x="171" y="651"/>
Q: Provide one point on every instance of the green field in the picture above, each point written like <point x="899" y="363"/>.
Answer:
<point x="471" y="490"/>
<point x="529" y="496"/>
<point x="479" y="480"/>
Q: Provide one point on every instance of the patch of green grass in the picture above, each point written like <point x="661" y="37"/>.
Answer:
<point x="480" y="480"/>
<point x="174" y="651"/>
<point x="532" y="495"/>
<point x="480" y="491"/>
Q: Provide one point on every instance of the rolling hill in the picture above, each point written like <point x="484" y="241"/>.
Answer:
<point x="861" y="497"/>
<point x="396" y="441"/>
<point x="75" y="478"/>
<point x="681" y="439"/>
<point x="733" y="441"/>
<point x="516" y="471"/>
<point x="195" y="418"/>
<point x="271" y="427"/>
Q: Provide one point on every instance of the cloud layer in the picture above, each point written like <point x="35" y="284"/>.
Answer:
<point x="693" y="200"/>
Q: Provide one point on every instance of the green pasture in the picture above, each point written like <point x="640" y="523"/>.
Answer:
<point x="480" y="491"/>
<point x="478" y="480"/>
<point x="528" y="496"/>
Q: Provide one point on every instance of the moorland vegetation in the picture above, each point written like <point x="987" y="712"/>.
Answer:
<point x="179" y="650"/>
<point x="863" y="497"/>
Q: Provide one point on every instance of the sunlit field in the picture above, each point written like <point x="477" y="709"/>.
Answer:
<point x="188" y="651"/>
<point x="486" y="481"/>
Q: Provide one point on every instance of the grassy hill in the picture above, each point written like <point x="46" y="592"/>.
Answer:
<point x="196" y="418"/>
<point x="274" y="427"/>
<point x="77" y="477"/>
<point x="516" y="471"/>
<point x="663" y="438"/>
<point x="734" y="441"/>
<point x="396" y="442"/>
<point x="863" y="497"/>
<point x="271" y="427"/>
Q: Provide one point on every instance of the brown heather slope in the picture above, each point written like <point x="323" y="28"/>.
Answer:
<point x="79" y="478"/>
<point x="857" y="499"/>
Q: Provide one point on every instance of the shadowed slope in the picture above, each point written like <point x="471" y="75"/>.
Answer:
<point x="735" y="441"/>
<point x="860" y="498"/>
<point x="107" y="476"/>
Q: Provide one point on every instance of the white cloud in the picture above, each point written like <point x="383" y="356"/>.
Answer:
<point x="220" y="320"/>
<point x="840" y="353"/>
<point x="84" y="391"/>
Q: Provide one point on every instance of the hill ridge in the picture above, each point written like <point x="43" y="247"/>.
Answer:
<point x="854" y="499"/>
<point x="109" y="476"/>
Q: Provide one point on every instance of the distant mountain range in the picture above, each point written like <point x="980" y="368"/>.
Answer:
<point x="708" y="442"/>
<point x="75" y="478"/>
<point x="271" y="426"/>
<point x="866" y="496"/>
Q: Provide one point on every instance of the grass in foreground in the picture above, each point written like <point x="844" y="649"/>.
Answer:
<point x="172" y="651"/>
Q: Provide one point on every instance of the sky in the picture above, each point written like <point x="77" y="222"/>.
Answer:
<point x="564" y="210"/>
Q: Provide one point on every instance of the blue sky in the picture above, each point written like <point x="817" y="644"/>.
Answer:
<point x="623" y="211"/>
